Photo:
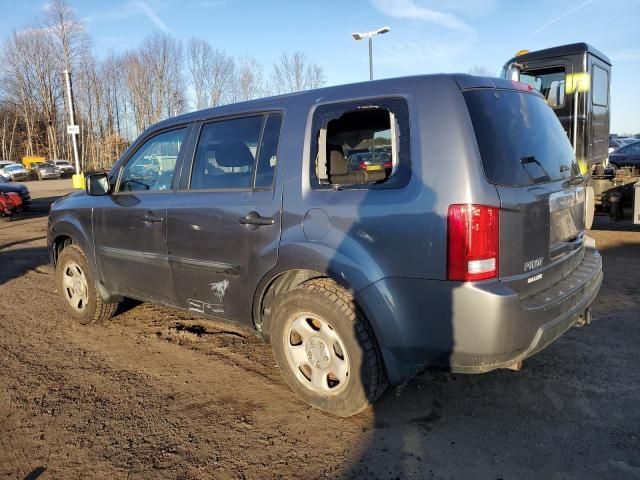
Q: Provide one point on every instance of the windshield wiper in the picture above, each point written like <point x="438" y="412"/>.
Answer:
<point x="524" y="161"/>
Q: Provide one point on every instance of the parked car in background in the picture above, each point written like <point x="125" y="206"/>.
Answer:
<point x="15" y="172"/>
<point x="469" y="253"/>
<point x="46" y="170"/>
<point x="7" y="186"/>
<point x="619" y="142"/>
<point x="66" y="169"/>
<point x="4" y="163"/>
<point x="627" y="156"/>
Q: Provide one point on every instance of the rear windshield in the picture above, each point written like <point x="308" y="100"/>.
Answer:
<point x="521" y="140"/>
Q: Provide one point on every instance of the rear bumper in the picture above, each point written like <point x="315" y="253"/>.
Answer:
<point x="473" y="327"/>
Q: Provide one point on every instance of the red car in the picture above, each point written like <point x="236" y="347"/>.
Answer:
<point x="10" y="205"/>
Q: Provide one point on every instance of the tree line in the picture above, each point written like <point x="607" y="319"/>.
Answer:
<point x="118" y="96"/>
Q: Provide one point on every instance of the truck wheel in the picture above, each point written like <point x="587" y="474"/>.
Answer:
<point x="325" y="348"/>
<point x="77" y="286"/>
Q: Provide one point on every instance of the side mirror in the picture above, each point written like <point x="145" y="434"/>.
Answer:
<point x="97" y="184"/>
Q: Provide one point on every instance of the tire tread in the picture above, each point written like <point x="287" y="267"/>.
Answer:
<point x="344" y="302"/>
<point x="104" y="311"/>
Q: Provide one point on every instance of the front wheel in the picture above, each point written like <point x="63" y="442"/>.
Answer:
<point x="77" y="286"/>
<point x="326" y="349"/>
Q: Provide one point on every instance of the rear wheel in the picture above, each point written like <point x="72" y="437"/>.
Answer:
<point x="77" y="286"/>
<point x="325" y="348"/>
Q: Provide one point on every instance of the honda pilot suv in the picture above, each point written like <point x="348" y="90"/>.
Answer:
<point x="466" y="252"/>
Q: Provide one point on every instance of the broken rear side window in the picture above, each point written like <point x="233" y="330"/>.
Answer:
<point x="361" y="145"/>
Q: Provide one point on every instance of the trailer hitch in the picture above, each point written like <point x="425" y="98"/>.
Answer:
<point x="585" y="318"/>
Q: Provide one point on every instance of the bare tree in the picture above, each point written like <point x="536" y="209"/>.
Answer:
<point x="248" y="83"/>
<point x="68" y="34"/>
<point x="198" y="62"/>
<point x="221" y="76"/>
<point x="481" y="72"/>
<point x="119" y="96"/>
<point x="293" y="73"/>
<point x="211" y="71"/>
<point x="68" y="31"/>
<point x="139" y="90"/>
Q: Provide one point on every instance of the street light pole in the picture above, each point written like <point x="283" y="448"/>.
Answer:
<point x="369" y="36"/>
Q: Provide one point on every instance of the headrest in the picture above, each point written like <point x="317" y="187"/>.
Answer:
<point x="337" y="163"/>
<point x="233" y="153"/>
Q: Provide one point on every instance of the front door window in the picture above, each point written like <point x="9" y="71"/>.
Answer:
<point x="151" y="168"/>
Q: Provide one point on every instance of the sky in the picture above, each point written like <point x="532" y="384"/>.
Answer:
<point x="427" y="36"/>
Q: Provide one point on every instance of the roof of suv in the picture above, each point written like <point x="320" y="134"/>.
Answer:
<point x="355" y="90"/>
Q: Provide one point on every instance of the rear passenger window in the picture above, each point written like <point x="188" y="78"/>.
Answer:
<point x="226" y="154"/>
<point x="361" y="145"/>
<point x="237" y="153"/>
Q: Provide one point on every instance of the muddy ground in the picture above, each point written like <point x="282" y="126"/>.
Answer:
<point x="160" y="394"/>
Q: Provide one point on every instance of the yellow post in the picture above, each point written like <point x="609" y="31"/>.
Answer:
<point x="78" y="180"/>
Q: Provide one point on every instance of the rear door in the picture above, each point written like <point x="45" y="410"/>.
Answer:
<point x="224" y="222"/>
<point x="527" y="156"/>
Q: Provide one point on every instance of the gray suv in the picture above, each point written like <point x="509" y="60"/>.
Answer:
<point x="464" y="250"/>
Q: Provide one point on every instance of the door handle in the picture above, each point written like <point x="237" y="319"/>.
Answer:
<point x="253" y="221"/>
<point x="152" y="219"/>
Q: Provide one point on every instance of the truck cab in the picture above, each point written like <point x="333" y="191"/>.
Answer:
<point x="575" y="80"/>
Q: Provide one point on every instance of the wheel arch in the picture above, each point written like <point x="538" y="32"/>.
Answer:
<point x="298" y="261"/>
<point x="67" y="231"/>
<point x="273" y="284"/>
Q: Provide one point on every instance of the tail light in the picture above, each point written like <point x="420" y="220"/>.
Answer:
<point x="472" y="242"/>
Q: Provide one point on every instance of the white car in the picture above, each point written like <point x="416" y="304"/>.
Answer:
<point x="65" y="167"/>
<point x="15" y="172"/>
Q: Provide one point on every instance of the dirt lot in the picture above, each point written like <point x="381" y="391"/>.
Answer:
<point x="160" y="394"/>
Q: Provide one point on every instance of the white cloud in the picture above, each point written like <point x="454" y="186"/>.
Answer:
<point x="411" y="10"/>
<point x="421" y="55"/>
<point x="560" y="17"/>
<point x="145" y="9"/>
<point x="129" y="10"/>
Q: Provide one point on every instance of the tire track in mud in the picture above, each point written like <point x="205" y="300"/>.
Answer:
<point x="124" y="400"/>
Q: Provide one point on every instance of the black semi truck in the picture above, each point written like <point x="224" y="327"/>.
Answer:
<point x="575" y="80"/>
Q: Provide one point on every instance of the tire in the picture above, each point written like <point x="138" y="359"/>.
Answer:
<point x="77" y="288"/>
<point x="326" y="349"/>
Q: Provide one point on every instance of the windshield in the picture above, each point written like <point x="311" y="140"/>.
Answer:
<point x="13" y="167"/>
<point x="521" y="140"/>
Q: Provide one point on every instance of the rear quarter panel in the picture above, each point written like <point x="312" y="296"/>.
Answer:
<point x="369" y="234"/>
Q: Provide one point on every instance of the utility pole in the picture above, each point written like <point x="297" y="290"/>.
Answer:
<point x="72" y="128"/>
